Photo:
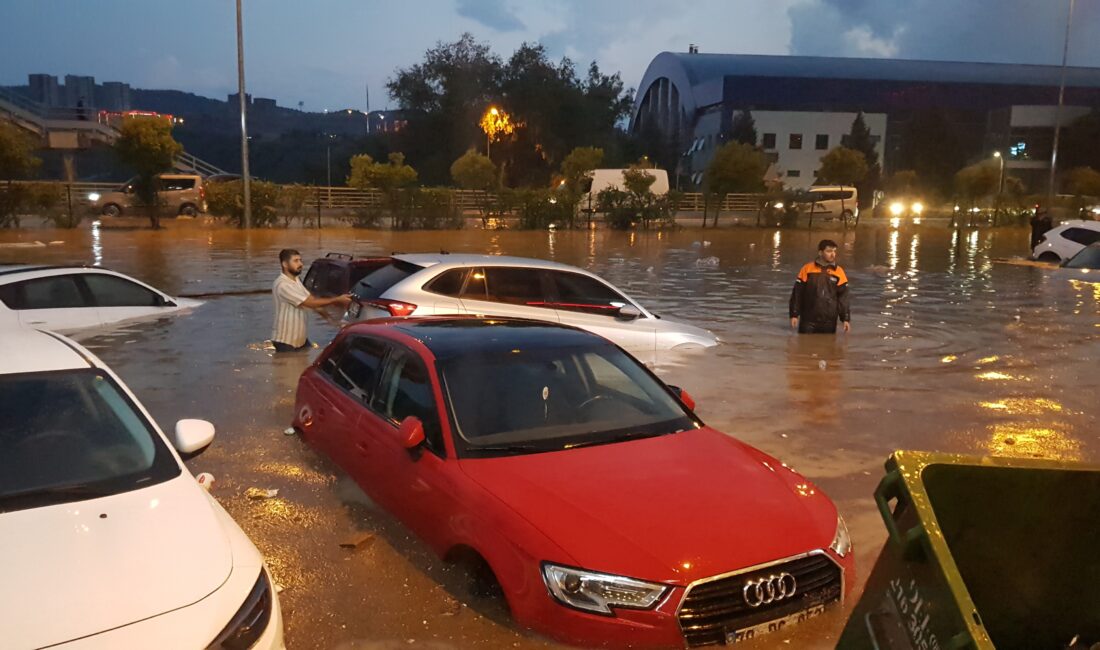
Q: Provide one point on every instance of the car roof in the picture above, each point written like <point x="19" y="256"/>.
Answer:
<point x="29" y="350"/>
<point x="452" y="336"/>
<point x="9" y="269"/>
<point x="467" y="259"/>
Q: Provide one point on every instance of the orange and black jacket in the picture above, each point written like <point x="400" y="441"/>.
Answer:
<point x="820" y="294"/>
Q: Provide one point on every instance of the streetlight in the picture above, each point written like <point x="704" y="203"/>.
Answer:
<point x="1001" y="179"/>
<point x="245" y="182"/>
<point x="495" y="122"/>
<point x="1058" y="114"/>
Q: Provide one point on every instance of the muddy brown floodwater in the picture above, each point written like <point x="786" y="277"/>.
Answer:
<point x="949" y="351"/>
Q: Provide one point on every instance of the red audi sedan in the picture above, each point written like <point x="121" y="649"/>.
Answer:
<point x="587" y="489"/>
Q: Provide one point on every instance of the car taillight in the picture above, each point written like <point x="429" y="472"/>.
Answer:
<point x="395" y="307"/>
<point x="202" y="192"/>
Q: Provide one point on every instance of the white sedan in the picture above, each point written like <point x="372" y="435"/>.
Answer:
<point x="69" y="298"/>
<point x="1066" y="240"/>
<point x="519" y="287"/>
<point x="106" y="540"/>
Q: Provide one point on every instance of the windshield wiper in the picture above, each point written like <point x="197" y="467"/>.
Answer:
<point x="59" y="494"/>
<point x="626" y="437"/>
<point x="515" y="449"/>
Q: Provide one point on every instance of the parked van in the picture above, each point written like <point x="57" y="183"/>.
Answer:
<point x="602" y="179"/>
<point x="179" y="194"/>
<point x="830" y="202"/>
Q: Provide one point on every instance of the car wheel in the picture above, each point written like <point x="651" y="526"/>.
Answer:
<point x="111" y="210"/>
<point x="188" y="210"/>
<point x="848" y="217"/>
<point x="1049" y="257"/>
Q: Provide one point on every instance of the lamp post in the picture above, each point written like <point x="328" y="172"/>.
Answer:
<point x="1001" y="178"/>
<point x="245" y="181"/>
<point x="1058" y="114"/>
<point x="495" y="122"/>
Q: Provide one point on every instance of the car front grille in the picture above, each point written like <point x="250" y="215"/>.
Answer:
<point x="713" y="607"/>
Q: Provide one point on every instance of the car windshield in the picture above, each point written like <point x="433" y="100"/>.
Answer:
<point x="1088" y="258"/>
<point x="73" y="435"/>
<point x="379" y="281"/>
<point x="521" y="401"/>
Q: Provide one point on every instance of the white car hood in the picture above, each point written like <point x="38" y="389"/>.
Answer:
<point x="67" y="572"/>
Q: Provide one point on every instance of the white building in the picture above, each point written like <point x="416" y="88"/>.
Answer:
<point x="796" y="140"/>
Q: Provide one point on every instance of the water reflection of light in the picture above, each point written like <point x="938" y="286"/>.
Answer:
<point x="1024" y="406"/>
<point x="777" y="239"/>
<point x="97" y="244"/>
<point x="949" y="359"/>
<point x="892" y="251"/>
<point x="895" y="222"/>
<point x="551" y="238"/>
<point x="990" y="359"/>
<point x="1036" y="442"/>
<point x="993" y="375"/>
<point x="914" y="249"/>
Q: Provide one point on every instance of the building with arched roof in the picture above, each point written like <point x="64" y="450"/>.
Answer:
<point x="690" y="99"/>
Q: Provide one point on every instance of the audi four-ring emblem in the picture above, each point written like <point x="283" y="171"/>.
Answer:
<point x="769" y="589"/>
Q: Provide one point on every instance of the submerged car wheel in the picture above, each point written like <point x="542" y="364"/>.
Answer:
<point x="111" y="210"/>
<point x="1049" y="257"/>
<point x="188" y="210"/>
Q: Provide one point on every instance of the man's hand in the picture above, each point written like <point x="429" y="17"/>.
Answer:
<point x="794" y="322"/>
<point x="344" y="300"/>
<point x="847" y="326"/>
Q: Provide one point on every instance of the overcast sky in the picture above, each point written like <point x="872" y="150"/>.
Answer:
<point x="325" y="53"/>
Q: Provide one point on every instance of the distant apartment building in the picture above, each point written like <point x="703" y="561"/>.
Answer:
<point x="79" y="90"/>
<point x="113" y="96"/>
<point x="386" y="121"/>
<point x="44" y="89"/>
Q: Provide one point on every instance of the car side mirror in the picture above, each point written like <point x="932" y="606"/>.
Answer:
<point x="683" y="396"/>
<point x="192" y="437"/>
<point x="629" y="312"/>
<point x="411" y="432"/>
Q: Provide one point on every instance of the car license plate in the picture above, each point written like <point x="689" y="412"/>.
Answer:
<point x="747" y="633"/>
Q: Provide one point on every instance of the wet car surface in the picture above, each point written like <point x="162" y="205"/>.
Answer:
<point x="949" y="351"/>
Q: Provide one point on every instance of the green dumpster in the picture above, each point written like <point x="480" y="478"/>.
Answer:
<point x="983" y="553"/>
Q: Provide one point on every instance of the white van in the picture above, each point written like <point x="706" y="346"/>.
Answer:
<point x="830" y="202"/>
<point x="602" y="179"/>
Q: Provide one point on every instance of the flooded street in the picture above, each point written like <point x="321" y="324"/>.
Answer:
<point x="949" y="351"/>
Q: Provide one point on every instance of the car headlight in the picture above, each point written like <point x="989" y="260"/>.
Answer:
<point x="842" y="543"/>
<point x="599" y="592"/>
<point x="250" y="621"/>
<point x="93" y="197"/>
<point x="779" y="205"/>
<point x="896" y="208"/>
<point x="917" y="207"/>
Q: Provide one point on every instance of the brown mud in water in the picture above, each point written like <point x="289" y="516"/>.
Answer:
<point x="948" y="352"/>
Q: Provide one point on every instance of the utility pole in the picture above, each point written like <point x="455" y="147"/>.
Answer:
<point x="1058" y="113"/>
<point x="245" y="180"/>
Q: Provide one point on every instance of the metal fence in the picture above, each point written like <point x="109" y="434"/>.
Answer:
<point x="350" y="198"/>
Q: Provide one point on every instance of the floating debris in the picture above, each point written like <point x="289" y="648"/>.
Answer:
<point x="358" y="541"/>
<point x="707" y="262"/>
<point x="206" y="480"/>
<point x="261" y="493"/>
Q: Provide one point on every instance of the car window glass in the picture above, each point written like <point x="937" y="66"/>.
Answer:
<point x="516" y="286"/>
<point x="609" y="376"/>
<point x="357" y="369"/>
<point x="1088" y="258"/>
<point x="73" y="428"/>
<point x="111" y="291"/>
<point x="175" y="184"/>
<point x="406" y="390"/>
<point x="333" y="283"/>
<point x="448" y="283"/>
<point x="311" y="280"/>
<point x="380" y="280"/>
<point x="1082" y="235"/>
<point x="57" y="292"/>
<point x="576" y="292"/>
<point x="475" y="285"/>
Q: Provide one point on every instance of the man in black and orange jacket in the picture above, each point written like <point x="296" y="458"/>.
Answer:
<point x="820" y="294"/>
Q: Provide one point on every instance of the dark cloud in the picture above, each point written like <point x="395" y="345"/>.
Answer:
<point x="1008" y="31"/>
<point x="491" y="13"/>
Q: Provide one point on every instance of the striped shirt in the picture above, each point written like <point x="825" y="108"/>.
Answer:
<point x="290" y="316"/>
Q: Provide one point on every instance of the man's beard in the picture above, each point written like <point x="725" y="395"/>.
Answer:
<point x="294" y="272"/>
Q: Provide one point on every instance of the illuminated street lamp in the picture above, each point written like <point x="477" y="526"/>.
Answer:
<point x="1001" y="178"/>
<point x="495" y="123"/>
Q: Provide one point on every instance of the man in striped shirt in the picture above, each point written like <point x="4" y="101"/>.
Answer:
<point x="291" y="301"/>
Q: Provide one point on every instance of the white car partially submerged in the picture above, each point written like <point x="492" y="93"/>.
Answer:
<point x="70" y="298"/>
<point x="518" y="287"/>
<point x="106" y="540"/>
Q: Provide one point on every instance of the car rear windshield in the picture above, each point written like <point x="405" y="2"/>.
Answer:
<point x="378" y="282"/>
<point x="1088" y="258"/>
<point x="73" y="435"/>
<point x="545" y="399"/>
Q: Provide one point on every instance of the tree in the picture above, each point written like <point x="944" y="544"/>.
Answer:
<point x="474" y="171"/>
<point x="743" y="128"/>
<point x="576" y="166"/>
<point x="1080" y="142"/>
<point x="843" y="166"/>
<point x="977" y="181"/>
<point x="146" y="145"/>
<point x="1083" y="181"/>
<point x="735" y="168"/>
<point x="860" y="139"/>
<point x="932" y="146"/>
<point x="391" y="178"/>
<point x="17" y="160"/>
<point x="902" y="182"/>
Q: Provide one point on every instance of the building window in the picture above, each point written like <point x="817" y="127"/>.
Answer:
<point x="821" y="143"/>
<point x="768" y="141"/>
<point x="794" y="173"/>
<point x="796" y="141"/>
